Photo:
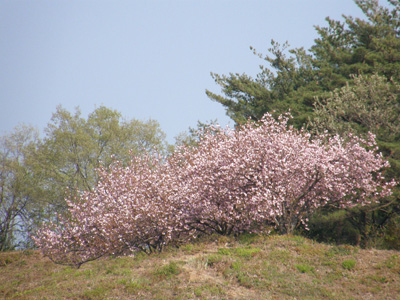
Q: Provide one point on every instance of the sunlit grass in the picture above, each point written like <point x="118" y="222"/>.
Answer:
<point x="246" y="267"/>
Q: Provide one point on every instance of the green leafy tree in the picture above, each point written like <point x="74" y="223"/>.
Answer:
<point x="17" y="188"/>
<point x="36" y="173"/>
<point x="74" y="147"/>
<point x="368" y="103"/>
<point x="365" y="104"/>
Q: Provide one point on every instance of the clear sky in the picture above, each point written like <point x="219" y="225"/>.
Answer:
<point x="146" y="59"/>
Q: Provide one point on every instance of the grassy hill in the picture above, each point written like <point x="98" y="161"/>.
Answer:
<point x="250" y="267"/>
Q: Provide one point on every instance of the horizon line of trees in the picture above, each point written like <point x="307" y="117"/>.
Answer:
<point x="347" y="82"/>
<point x="257" y="178"/>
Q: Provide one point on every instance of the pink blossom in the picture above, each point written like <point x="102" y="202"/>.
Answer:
<point x="252" y="179"/>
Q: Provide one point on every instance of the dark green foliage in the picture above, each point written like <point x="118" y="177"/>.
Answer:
<point x="392" y="234"/>
<point x="248" y="98"/>
<point x="294" y="77"/>
<point x="366" y="104"/>
<point x="334" y="227"/>
<point x="348" y="81"/>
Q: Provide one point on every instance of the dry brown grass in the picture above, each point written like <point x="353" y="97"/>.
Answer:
<point x="264" y="267"/>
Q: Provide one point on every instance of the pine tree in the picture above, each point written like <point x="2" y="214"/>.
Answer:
<point x="293" y="78"/>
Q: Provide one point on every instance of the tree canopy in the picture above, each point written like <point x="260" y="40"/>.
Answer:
<point x="38" y="172"/>
<point x="17" y="187"/>
<point x="348" y="81"/>
<point x="262" y="176"/>
<point x="293" y="78"/>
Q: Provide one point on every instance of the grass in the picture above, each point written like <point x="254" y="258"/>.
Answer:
<point x="248" y="267"/>
<point x="349" y="264"/>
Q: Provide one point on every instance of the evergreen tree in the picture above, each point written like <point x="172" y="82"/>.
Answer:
<point x="347" y="81"/>
<point x="294" y="77"/>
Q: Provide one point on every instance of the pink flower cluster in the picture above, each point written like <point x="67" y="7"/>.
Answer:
<point x="257" y="177"/>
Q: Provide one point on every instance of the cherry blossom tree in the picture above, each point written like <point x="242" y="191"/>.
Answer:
<point x="132" y="209"/>
<point x="251" y="179"/>
<point x="240" y="180"/>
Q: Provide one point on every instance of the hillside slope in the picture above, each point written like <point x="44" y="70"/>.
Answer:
<point x="250" y="267"/>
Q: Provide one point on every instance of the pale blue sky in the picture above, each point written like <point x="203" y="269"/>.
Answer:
<point x="146" y="59"/>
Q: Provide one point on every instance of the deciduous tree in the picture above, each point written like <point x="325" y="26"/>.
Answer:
<point x="259" y="176"/>
<point x="73" y="148"/>
<point x="238" y="180"/>
<point x="133" y="208"/>
<point x="17" y="188"/>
